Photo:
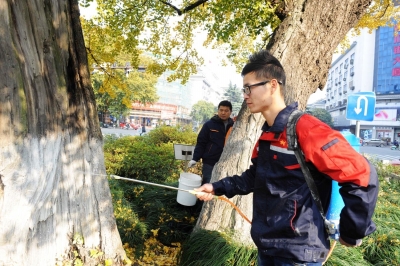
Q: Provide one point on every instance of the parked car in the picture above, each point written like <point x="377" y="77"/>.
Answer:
<point x="374" y="142"/>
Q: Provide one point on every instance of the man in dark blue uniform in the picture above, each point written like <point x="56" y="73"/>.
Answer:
<point x="287" y="226"/>
<point x="211" y="140"/>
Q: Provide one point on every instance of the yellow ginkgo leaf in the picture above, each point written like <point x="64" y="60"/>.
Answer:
<point x="155" y="231"/>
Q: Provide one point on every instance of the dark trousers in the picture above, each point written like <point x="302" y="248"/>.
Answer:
<point x="263" y="260"/>
<point x="207" y="171"/>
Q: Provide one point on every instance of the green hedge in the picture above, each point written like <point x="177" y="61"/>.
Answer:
<point x="141" y="208"/>
<point x="149" y="157"/>
<point x="168" y="134"/>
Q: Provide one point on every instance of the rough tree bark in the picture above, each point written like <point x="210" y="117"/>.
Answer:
<point x="50" y="140"/>
<point x="219" y="215"/>
<point x="304" y="43"/>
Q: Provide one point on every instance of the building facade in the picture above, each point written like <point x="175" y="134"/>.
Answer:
<point x="319" y="104"/>
<point x="371" y="64"/>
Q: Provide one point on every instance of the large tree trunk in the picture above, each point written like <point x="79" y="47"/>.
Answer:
<point x="50" y="140"/>
<point x="219" y="215"/>
<point x="304" y="43"/>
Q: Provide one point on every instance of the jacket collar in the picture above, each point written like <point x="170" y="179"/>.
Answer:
<point x="216" y="118"/>
<point x="281" y="119"/>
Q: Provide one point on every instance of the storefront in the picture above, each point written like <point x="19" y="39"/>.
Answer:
<point x="380" y="132"/>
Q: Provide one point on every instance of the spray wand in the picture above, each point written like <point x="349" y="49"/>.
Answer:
<point x="180" y="189"/>
<point x="155" y="184"/>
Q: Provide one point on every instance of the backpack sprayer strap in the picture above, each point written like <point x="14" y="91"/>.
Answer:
<point x="293" y="146"/>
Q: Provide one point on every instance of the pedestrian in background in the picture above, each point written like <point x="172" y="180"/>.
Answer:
<point x="211" y="140"/>
<point x="143" y="129"/>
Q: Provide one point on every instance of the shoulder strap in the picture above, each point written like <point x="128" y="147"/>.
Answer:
<point x="294" y="146"/>
<point x="291" y="129"/>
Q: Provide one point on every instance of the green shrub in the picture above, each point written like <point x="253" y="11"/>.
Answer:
<point x="148" y="162"/>
<point x="141" y="208"/>
<point x="168" y="134"/>
<point x="149" y="157"/>
<point x="175" y="135"/>
<point x="115" y="149"/>
<point x="131" y="229"/>
<point x="159" y="208"/>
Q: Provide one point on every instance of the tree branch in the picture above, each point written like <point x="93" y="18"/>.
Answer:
<point x="194" y="5"/>
<point x="174" y="7"/>
<point x="188" y="8"/>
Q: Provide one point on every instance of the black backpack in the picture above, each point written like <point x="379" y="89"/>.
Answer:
<point x="293" y="146"/>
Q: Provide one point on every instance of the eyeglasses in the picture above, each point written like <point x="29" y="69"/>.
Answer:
<point x="246" y="89"/>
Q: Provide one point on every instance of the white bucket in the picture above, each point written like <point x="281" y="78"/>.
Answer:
<point x="188" y="181"/>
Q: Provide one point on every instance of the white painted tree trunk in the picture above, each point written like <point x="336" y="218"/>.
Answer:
<point x="50" y="139"/>
<point x="304" y="43"/>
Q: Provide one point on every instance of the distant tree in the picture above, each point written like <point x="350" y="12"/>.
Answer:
<point x="322" y="115"/>
<point x="115" y="92"/>
<point x="202" y="111"/>
<point x="234" y="95"/>
<point x="113" y="104"/>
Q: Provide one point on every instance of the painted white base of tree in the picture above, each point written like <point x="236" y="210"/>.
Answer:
<point x="50" y="141"/>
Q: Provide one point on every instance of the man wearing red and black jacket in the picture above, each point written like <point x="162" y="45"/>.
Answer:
<point x="287" y="226"/>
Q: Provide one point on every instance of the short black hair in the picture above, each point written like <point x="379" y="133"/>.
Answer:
<point x="265" y="65"/>
<point x="225" y="103"/>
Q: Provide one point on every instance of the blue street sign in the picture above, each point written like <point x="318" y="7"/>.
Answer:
<point x="361" y="106"/>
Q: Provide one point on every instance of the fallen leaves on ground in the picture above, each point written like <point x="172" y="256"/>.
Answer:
<point x="155" y="254"/>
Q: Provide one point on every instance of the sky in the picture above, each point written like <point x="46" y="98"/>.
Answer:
<point x="212" y="59"/>
<point x="88" y="12"/>
<point x="318" y="95"/>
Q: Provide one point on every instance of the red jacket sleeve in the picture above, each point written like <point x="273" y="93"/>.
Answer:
<point x="330" y="152"/>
